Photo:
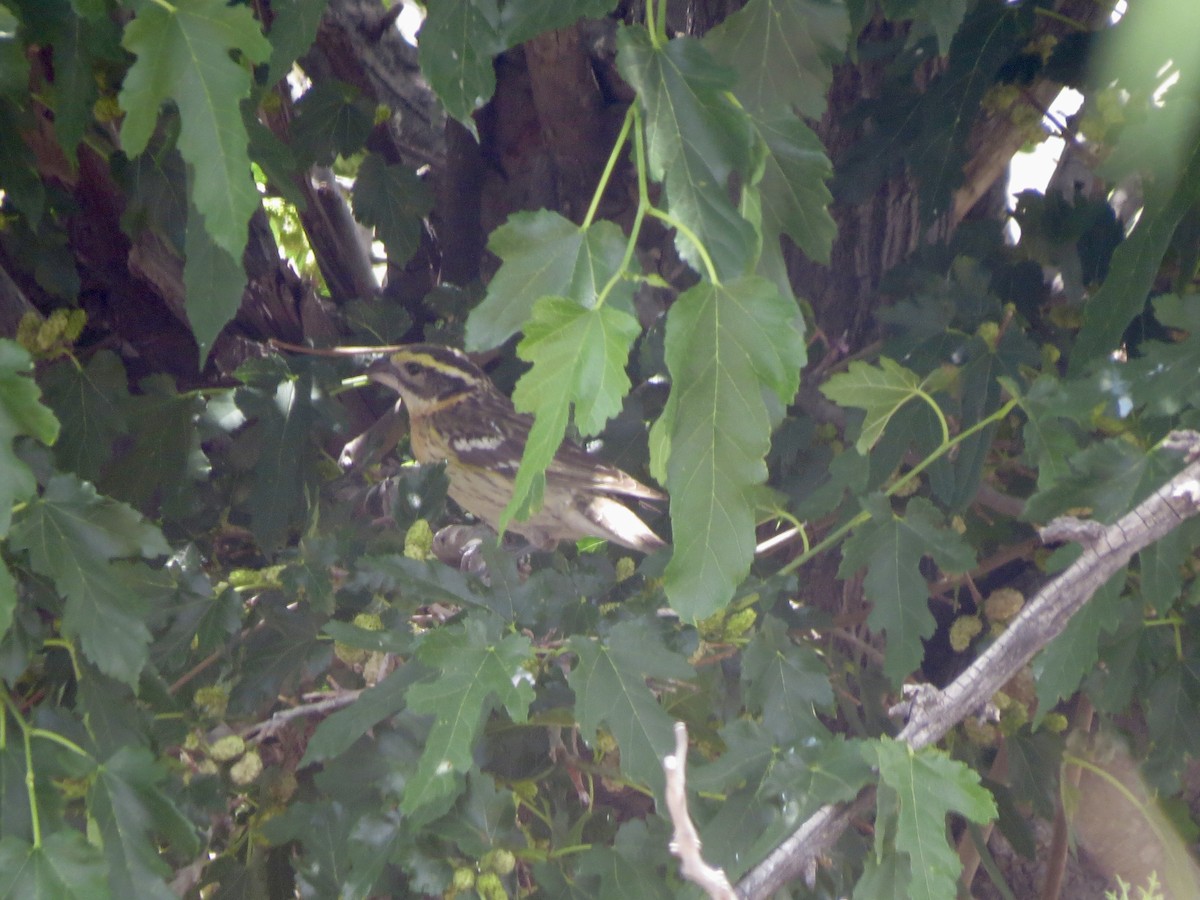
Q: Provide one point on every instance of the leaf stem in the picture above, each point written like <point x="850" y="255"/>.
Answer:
<point x="670" y="220"/>
<point x="937" y="411"/>
<point x="70" y="648"/>
<point x="634" y="120"/>
<point x="606" y="175"/>
<point x="66" y="743"/>
<point x="838" y="533"/>
<point x="35" y="820"/>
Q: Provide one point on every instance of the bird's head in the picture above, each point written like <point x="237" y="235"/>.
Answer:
<point x="428" y="375"/>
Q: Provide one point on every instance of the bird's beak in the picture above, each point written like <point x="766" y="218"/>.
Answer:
<point x="383" y="372"/>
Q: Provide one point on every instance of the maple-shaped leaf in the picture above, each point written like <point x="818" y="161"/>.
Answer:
<point x="332" y="119"/>
<point x="393" y="201"/>
<point x="725" y="346"/>
<point x="335" y="734"/>
<point x="21" y="413"/>
<point x="545" y="255"/>
<point x="1109" y="477"/>
<point x="74" y="537"/>
<point x="794" y="197"/>
<point x="783" y="52"/>
<point x="880" y="391"/>
<point x="890" y="548"/>
<point x="457" y="42"/>
<point x="926" y="786"/>
<point x="759" y="777"/>
<point x="1054" y="413"/>
<point x="164" y="461"/>
<point x="65" y="866"/>
<point x="130" y="806"/>
<point x="696" y="137"/>
<point x="610" y="688"/>
<point x="785" y="682"/>
<point x="88" y="401"/>
<point x="473" y="672"/>
<point x="578" y="357"/>
<point x="183" y="54"/>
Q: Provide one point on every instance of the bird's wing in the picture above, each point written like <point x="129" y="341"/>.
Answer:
<point x="499" y="445"/>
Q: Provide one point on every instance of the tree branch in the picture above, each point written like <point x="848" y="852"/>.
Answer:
<point x="1106" y="550"/>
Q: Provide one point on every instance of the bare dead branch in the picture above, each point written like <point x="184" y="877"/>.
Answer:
<point x="686" y="842"/>
<point x="265" y="729"/>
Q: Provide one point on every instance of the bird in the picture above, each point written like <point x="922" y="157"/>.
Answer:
<point x="458" y="416"/>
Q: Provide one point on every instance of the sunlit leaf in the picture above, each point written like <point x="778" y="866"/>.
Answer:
<point x="726" y="346"/>
<point x="183" y="54"/>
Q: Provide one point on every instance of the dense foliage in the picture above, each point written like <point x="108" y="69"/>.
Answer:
<point x="233" y="664"/>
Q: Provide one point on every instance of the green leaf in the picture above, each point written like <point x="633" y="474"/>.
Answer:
<point x="474" y="671"/>
<point x="783" y="51"/>
<point x="928" y="785"/>
<point x="880" y="391"/>
<point x="88" y="401"/>
<point x="130" y="809"/>
<point x="72" y="535"/>
<point x="332" y="119"/>
<point x="1054" y="409"/>
<point x="79" y="44"/>
<point x="696" y="138"/>
<point x="19" y="175"/>
<point x="1171" y="702"/>
<point x="795" y="199"/>
<point x="609" y="682"/>
<point x="1109" y="477"/>
<point x="1063" y="663"/>
<point x="213" y="281"/>
<point x="335" y="734"/>
<point x="164" y="462"/>
<point x="282" y="438"/>
<point x="1135" y="263"/>
<point x="8" y="598"/>
<point x="457" y="43"/>
<point x="785" y="682"/>
<point x="21" y="413"/>
<point x="944" y="16"/>
<point x="890" y="548"/>
<point x="529" y="18"/>
<point x="14" y="64"/>
<point x="629" y="870"/>
<point x="182" y="54"/>
<point x="1034" y="763"/>
<point x="726" y="346"/>
<point x="545" y="255"/>
<point x="293" y="29"/>
<point x="65" y="866"/>
<point x="1166" y="376"/>
<point x="578" y="357"/>
<point x="393" y="201"/>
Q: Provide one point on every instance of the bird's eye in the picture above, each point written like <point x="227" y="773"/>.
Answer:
<point x="412" y="369"/>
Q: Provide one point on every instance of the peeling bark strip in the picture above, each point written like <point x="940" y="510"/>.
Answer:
<point x="1106" y="549"/>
